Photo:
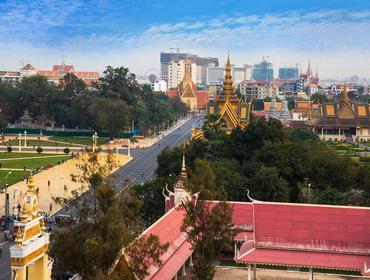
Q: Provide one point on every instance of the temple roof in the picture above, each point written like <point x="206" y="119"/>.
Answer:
<point x="28" y="67"/>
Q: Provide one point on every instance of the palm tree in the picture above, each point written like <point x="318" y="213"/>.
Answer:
<point x="214" y="123"/>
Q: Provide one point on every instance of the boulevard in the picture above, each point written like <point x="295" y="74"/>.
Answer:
<point x="140" y="169"/>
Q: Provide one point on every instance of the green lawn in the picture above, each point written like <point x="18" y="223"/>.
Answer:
<point x="32" y="163"/>
<point x="5" y="155"/>
<point x="80" y="140"/>
<point x="36" y="143"/>
<point x="13" y="178"/>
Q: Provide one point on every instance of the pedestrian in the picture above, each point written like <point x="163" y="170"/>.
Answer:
<point x="51" y="206"/>
<point x="65" y="188"/>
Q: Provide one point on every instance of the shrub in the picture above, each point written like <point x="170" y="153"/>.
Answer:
<point x="364" y="159"/>
<point x="39" y="149"/>
<point x="66" y="151"/>
<point x="358" y="149"/>
<point x="9" y="149"/>
<point x="342" y="146"/>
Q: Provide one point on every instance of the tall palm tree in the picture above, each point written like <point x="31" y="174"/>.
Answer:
<point x="214" y="123"/>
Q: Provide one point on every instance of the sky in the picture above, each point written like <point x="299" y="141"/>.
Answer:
<point x="91" y="34"/>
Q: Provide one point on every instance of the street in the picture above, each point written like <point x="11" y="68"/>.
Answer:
<point x="139" y="170"/>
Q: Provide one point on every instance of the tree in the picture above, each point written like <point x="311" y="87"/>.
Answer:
<point x="209" y="230"/>
<point x="302" y="134"/>
<point x="267" y="185"/>
<point x="66" y="151"/>
<point x="319" y="98"/>
<point x="244" y="142"/>
<point x="214" y="123"/>
<point x="150" y="193"/>
<point x="203" y="180"/>
<point x="39" y="150"/>
<point x="92" y="246"/>
<point x="116" y="121"/>
<point x="9" y="149"/>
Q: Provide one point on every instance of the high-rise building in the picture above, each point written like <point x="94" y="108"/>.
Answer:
<point x="203" y="62"/>
<point x="176" y="70"/>
<point x="215" y="75"/>
<point x="289" y="73"/>
<point x="263" y="71"/>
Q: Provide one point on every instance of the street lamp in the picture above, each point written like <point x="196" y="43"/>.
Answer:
<point x="309" y="193"/>
<point x="19" y="141"/>
<point x="6" y="194"/>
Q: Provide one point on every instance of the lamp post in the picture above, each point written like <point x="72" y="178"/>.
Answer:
<point x="128" y="150"/>
<point x="6" y="194"/>
<point x="25" y="138"/>
<point x="19" y="141"/>
<point x="309" y="193"/>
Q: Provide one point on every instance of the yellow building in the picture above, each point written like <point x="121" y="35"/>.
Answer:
<point x="187" y="91"/>
<point x="234" y="111"/>
<point x="28" y="257"/>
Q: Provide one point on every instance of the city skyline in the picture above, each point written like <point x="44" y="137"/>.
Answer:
<point x="93" y="34"/>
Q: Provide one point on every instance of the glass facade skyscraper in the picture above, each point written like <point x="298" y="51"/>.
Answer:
<point x="263" y="71"/>
<point x="288" y="73"/>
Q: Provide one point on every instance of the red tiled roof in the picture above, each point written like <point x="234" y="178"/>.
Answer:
<point x="172" y="93"/>
<point x="202" y="99"/>
<point x="305" y="259"/>
<point x="168" y="229"/>
<point x="312" y="227"/>
<point x="259" y="114"/>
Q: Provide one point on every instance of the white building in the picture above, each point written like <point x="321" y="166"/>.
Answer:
<point x="159" y="86"/>
<point x="216" y="75"/>
<point x="176" y="70"/>
<point x="257" y="89"/>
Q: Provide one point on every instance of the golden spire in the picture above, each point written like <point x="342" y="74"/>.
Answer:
<point x="228" y="88"/>
<point x="345" y="97"/>
<point x="187" y="75"/>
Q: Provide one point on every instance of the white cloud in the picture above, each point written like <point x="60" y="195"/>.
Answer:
<point x="338" y="39"/>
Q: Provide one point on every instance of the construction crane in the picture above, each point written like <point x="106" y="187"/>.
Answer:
<point x="177" y="51"/>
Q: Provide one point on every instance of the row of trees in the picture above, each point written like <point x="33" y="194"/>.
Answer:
<point x="115" y="102"/>
<point x="273" y="162"/>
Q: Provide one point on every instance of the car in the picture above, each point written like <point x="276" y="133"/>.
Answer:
<point x="64" y="219"/>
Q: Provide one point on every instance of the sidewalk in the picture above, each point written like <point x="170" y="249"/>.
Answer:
<point x="148" y="142"/>
<point x="61" y="185"/>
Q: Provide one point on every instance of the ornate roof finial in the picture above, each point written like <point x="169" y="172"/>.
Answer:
<point x="345" y="97"/>
<point x="228" y="88"/>
<point x="183" y="167"/>
<point x="309" y="70"/>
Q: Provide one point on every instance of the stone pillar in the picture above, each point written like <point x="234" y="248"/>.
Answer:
<point x="191" y="260"/>
<point x="254" y="272"/>
<point x="249" y="272"/>
<point x="322" y="134"/>
<point x="310" y="273"/>
<point x="183" y="273"/>
<point x="25" y="138"/>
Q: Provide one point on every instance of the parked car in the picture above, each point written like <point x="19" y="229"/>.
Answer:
<point x="64" y="219"/>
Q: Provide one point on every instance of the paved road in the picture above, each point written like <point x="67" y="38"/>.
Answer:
<point x="139" y="170"/>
